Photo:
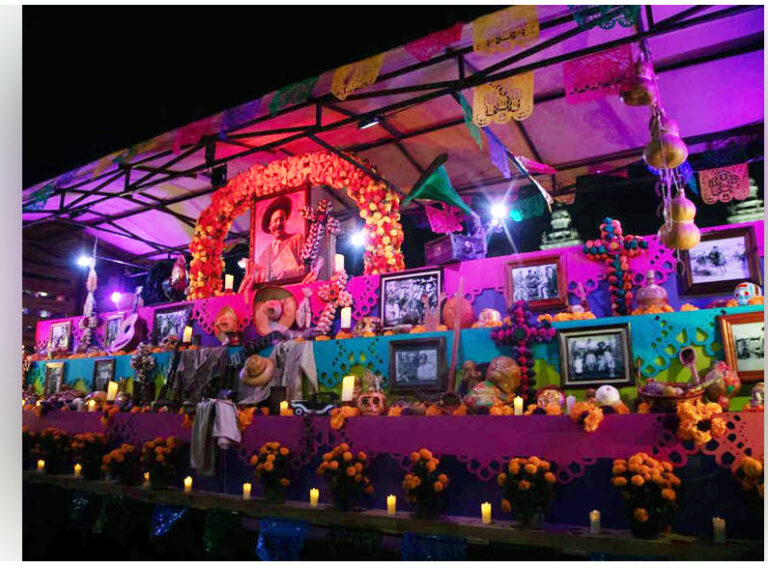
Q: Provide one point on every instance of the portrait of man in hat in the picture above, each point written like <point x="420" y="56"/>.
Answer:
<point x="277" y="236"/>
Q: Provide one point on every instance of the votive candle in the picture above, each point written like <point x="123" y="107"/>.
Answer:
<point x="91" y="405"/>
<point x="187" y="337"/>
<point x="718" y="526"/>
<point x="146" y="479"/>
<point x="78" y="470"/>
<point x="283" y="407"/>
<point x="229" y="282"/>
<point x="569" y="402"/>
<point x="188" y="484"/>
<point x="112" y="391"/>
<point x="485" y="512"/>
<point x="246" y="491"/>
<point x="347" y="388"/>
<point x="391" y="504"/>
<point x="518" y="406"/>
<point x="594" y="522"/>
<point x="41" y="466"/>
<point x="314" y="496"/>
<point x="338" y="263"/>
<point x="346" y="318"/>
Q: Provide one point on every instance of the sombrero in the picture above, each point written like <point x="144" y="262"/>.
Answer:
<point x="257" y="371"/>
<point x="284" y="203"/>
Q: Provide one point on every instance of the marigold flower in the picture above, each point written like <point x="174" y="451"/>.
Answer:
<point x="530" y="468"/>
<point x="437" y="486"/>
<point x="284" y="451"/>
<point x="501" y="478"/>
<point x="415" y="457"/>
<point x="534" y="460"/>
<point x="641" y="515"/>
<point x="358" y="478"/>
<point x="344" y="447"/>
<point x="549" y="477"/>
<point x="269" y="466"/>
<point x="638" y="480"/>
<point x="506" y="506"/>
<point x="514" y="468"/>
<point x="160" y="458"/>
<point x="361" y="456"/>
<point x="328" y="456"/>
<point x="619" y="481"/>
<point x="334" y="465"/>
<point x="430" y="467"/>
<point x="347" y="456"/>
<point x="618" y="469"/>
<point x="668" y="494"/>
<point x="443" y="478"/>
<point x="284" y="482"/>
<point x="368" y="489"/>
<point x="425" y="453"/>
<point x="524" y="485"/>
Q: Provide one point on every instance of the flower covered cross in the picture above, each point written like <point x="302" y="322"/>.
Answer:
<point x="334" y="294"/>
<point x="320" y="220"/>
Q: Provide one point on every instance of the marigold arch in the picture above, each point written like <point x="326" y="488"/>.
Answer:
<point x="379" y="207"/>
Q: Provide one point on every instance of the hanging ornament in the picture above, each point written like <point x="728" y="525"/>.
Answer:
<point x="679" y="232"/>
<point x="641" y="89"/>
<point x="666" y="150"/>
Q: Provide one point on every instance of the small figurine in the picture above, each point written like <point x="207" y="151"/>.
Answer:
<point x="722" y="384"/>
<point x="470" y="376"/>
<point x="757" y="397"/>
<point x="304" y="311"/>
<point x="745" y="291"/>
<point x="225" y="327"/>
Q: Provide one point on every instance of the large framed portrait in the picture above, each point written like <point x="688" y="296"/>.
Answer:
<point x="417" y="365"/>
<point x="103" y="372"/>
<point x="169" y="321"/>
<point x="54" y="377"/>
<point x="744" y="344"/>
<point x="278" y="232"/>
<point x="596" y="355"/>
<point x="720" y="261"/>
<point x="112" y="329"/>
<point x="58" y="338"/>
<point x="539" y="281"/>
<point x="400" y="296"/>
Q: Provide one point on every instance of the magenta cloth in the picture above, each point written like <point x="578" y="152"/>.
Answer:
<point x="427" y="47"/>
<point x="444" y="221"/>
<point x="72" y="422"/>
<point x="595" y="76"/>
<point x="536" y="167"/>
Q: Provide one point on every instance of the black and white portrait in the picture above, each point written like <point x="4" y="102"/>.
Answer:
<point x="112" y="329"/>
<point x="54" y="377"/>
<point x="403" y="298"/>
<point x="103" y="372"/>
<point x="595" y="356"/>
<point x="749" y="344"/>
<point x="59" y="337"/>
<point x="417" y="365"/>
<point x="533" y="283"/>
<point x="170" y="321"/>
<point x="719" y="259"/>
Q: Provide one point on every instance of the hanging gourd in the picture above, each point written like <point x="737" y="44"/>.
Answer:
<point x="666" y="150"/>
<point x="641" y="90"/>
<point x="679" y="232"/>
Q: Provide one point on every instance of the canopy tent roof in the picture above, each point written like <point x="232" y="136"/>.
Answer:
<point x="147" y="206"/>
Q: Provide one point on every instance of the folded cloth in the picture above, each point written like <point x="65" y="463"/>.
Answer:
<point x="225" y="428"/>
<point x="201" y="454"/>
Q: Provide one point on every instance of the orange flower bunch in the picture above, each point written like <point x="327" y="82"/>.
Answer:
<point x="159" y="457"/>
<point x="588" y="414"/>
<point x="122" y="463"/>
<point x="649" y="487"/>
<point x="272" y="464"/>
<point x="501" y="409"/>
<point x="345" y="470"/>
<point x="424" y="484"/>
<point x="109" y="414"/>
<point x="339" y="416"/>
<point x="700" y="421"/>
<point x="551" y="409"/>
<point x="652" y="310"/>
<point x="750" y="473"/>
<point x="53" y="445"/>
<point x="87" y="450"/>
<point x="568" y="316"/>
<point x="528" y="485"/>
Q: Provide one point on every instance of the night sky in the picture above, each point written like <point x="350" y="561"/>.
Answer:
<point x="99" y="79"/>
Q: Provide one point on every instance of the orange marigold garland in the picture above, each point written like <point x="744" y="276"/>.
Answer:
<point x="699" y="421"/>
<point x="379" y="208"/>
<point x="339" y="416"/>
<point x="551" y="409"/>
<point x="588" y="414"/>
<point x="424" y="485"/>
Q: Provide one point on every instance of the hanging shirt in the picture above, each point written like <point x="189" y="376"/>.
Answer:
<point x="291" y="359"/>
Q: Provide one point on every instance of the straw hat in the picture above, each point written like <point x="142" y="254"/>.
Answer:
<point x="257" y="371"/>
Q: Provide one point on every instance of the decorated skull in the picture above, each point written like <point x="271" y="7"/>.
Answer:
<point x="367" y="326"/>
<point x="550" y="395"/>
<point x="373" y="403"/>
<point x="745" y="291"/>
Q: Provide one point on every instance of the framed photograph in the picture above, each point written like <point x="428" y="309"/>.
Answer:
<point x="744" y="344"/>
<point x="54" y="377"/>
<point x="278" y="232"/>
<point x="539" y="281"/>
<point x="103" y="372"/>
<point x="58" y="339"/>
<point x="720" y="261"/>
<point x="169" y="321"/>
<point x="417" y="365"/>
<point x="595" y="356"/>
<point x="400" y="296"/>
<point x="112" y="329"/>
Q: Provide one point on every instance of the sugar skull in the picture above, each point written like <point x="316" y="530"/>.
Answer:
<point x="367" y="326"/>
<point x="372" y="403"/>
<point x="550" y="395"/>
<point x="745" y="291"/>
<point x="607" y="395"/>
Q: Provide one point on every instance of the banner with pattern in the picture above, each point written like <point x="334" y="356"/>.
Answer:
<point x="295" y="94"/>
<point x="505" y="30"/>
<point x="349" y="78"/>
<point x="502" y="101"/>
<point x="724" y="184"/>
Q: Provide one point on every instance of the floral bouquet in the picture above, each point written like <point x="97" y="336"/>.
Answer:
<point x="700" y="421"/>
<point x="424" y="485"/>
<point x="528" y="487"/>
<point x="123" y="464"/>
<point x="53" y="447"/>
<point x="345" y="473"/>
<point x="273" y="470"/>
<point x="87" y="450"/>
<point x="588" y="414"/>
<point x="551" y="409"/>
<point x="750" y="474"/>
<point x="160" y="457"/>
<point x="647" y="486"/>
<point x="28" y="445"/>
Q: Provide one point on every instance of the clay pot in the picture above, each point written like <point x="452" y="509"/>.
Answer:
<point x="642" y="90"/>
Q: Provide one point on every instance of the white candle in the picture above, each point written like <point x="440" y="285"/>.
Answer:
<point x="229" y="282"/>
<point x="347" y="388"/>
<point x="569" y="402"/>
<point x="718" y="526"/>
<point x="91" y="405"/>
<point x="188" y="484"/>
<point x="112" y="391"/>
<point x="41" y="466"/>
<point x="283" y="407"/>
<point x="187" y="338"/>
<point x="314" y="496"/>
<point x="391" y="504"/>
<point x="346" y="318"/>
<point x="78" y="470"/>
<point x="518" y="406"/>
<point x="594" y="522"/>
<point x="485" y="512"/>
<point x="338" y="263"/>
<point x="146" y="479"/>
<point x="246" y="491"/>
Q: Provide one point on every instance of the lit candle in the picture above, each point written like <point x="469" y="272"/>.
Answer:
<point x="518" y="406"/>
<point x="569" y="402"/>
<point x="41" y="466"/>
<point x="187" y="338"/>
<point x="111" y="391"/>
<point x="485" y="511"/>
<point x="283" y="408"/>
<point x="146" y="479"/>
<point x="594" y="522"/>
<point x="338" y="263"/>
<point x="78" y="470"/>
<point x="391" y="504"/>
<point x="91" y="405"/>
<point x="346" y="318"/>
<point x="229" y="282"/>
<point x="246" y="491"/>
<point x="347" y="388"/>
<point x="314" y="496"/>
<point x="188" y="484"/>
<point x="718" y="526"/>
